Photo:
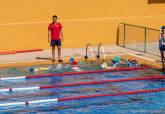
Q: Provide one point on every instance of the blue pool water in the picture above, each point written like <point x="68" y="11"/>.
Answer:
<point x="146" y="103"/>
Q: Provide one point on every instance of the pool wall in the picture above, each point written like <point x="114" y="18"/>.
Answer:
<point x="25" y="22"/>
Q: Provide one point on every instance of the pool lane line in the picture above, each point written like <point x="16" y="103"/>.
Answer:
<point x="55" y="100"/>
<point x="74" y="73"/>
<point x="83" y="83"/>
<point x="113" y="94"/>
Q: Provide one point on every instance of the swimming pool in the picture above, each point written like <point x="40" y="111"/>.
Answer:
<point x="150" y="102"/>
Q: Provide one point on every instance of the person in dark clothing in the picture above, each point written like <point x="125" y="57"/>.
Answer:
<point x="162" y="46"/>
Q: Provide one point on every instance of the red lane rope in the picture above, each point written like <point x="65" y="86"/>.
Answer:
<point x="113" y="94"/>
<point x="87" y="72"/>
<point x="104" y="81"/>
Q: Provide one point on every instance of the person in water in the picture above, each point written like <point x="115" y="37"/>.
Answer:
<point x="115" y="61"/>
<point x="131" y="62"/>
<point x="74" y="65"/>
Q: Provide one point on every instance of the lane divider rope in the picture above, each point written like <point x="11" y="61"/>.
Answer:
<point x="113" y="94"/>
<point x="75" y="73"/>
<point x="84" y="83"/>
<point x="82" y="97"/>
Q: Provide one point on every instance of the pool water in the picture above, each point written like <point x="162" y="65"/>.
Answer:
<point x="145" y="103"/>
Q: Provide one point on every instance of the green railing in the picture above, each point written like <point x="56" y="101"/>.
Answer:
<point x="139" y="38"/>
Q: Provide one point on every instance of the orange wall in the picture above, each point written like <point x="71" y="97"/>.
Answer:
<point x="23" y="23"/>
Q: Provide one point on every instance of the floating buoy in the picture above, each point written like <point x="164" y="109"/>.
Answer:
<point x="105" y="66"/>
<point x="36" y="70"/>
<point x="43" y="68"/>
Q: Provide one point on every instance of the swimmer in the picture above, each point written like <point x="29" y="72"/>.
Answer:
<point x="131" y="62"/>
<point x="116" y="61"/>
<point x="74" y="65"/>
<point x="134" y="63"/>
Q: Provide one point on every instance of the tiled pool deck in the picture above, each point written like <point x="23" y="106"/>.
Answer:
<point x="110" y="50"/>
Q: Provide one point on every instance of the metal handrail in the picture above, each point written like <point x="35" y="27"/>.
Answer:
<point x="91" y="49"/>
<point x="98" y="52"/>
<point x="123" y="39"/>
<point x="140" y="26"/>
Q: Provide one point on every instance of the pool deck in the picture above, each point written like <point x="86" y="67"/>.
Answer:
<point x="45" y="56"/>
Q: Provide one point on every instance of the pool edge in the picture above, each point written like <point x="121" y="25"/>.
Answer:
<point x="142" y="60"/>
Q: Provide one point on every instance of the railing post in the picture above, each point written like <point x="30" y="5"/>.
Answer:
<point x="98" y="52"/>
<point x="86" y="54"/>
<point x="145" y="39"/>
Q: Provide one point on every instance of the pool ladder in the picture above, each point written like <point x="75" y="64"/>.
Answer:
<point x="91" y="50"/>
<point x="98" y="52"/>
<point x="100" y="46"/>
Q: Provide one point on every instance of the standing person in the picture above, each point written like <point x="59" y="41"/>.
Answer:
<point x="55" y="36"/>
<point x="162" y="45"/>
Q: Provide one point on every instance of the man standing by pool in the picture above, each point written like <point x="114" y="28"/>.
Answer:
<point x="55" y="36"/>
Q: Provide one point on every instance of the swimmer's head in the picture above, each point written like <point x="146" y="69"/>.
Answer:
<point x="74" y="63"/>
<point x="134" y="63"/>
<point x="117" y="58"/>
<point x="71" y="60"/>
<point x="31" y="69"/>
